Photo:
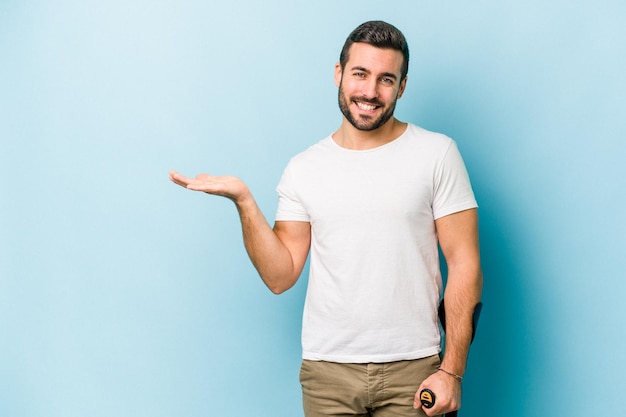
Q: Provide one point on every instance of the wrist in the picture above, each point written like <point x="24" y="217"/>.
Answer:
<point x="244" y="201"/>
<point x="451" y="374"/>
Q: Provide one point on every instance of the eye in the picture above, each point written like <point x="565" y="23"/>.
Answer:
<point x="359" y="74"/>
<point x="387" y="80"/>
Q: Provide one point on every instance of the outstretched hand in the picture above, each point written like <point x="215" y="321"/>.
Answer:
<point x="224" y="186"/>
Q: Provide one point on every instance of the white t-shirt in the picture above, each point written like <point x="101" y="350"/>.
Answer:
<point x="374" y="283"/>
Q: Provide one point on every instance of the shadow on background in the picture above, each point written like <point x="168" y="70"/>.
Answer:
<point x="498" y="378"/>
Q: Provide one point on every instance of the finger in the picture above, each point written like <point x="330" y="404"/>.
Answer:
<point x="174" y="176"/>
<point x="211" y="187"/>
<point x="179" y="179"/>
<point x="416" y="403"/>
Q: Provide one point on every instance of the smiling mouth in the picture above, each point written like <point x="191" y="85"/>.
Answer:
<point x="366" y="106"/>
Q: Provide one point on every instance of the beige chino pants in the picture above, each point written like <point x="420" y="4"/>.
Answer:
<point x="362" y="390"/>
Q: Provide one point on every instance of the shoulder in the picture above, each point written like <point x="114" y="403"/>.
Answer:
<point x="422" y="142"/>
<point x="313" y="153"/>
<point x="427" y="137"/>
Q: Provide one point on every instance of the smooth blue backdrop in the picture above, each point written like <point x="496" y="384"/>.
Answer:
<point x="124" y="295"/>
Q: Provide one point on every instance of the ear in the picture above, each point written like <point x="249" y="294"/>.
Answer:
<point x="338" y="74"/>
<point x="402" y="87"/>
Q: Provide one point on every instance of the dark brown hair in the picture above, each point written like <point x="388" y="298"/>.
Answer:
<point x="381" y="35"/>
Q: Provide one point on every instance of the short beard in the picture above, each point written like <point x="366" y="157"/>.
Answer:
<point x="364" y="123"/>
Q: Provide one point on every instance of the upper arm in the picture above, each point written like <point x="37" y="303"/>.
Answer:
<point x="458" y="238"/>
<point x="296" y="236"/>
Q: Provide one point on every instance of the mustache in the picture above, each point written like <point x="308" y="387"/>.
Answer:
<point x="372" y="101"/>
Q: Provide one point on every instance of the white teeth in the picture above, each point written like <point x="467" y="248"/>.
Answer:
<point x="364" y="106"/>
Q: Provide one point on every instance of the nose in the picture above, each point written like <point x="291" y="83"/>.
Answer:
<point x="370" y="88"/>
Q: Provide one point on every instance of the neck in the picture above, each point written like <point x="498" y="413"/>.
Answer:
<point x="349" y="137"/>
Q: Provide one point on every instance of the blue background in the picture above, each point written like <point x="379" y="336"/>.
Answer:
<point x="123" y="295"/>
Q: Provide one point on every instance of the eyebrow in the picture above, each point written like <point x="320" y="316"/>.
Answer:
<point x="384" y="74"/>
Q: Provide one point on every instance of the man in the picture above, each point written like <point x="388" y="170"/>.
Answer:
<point x="371" y="202"/>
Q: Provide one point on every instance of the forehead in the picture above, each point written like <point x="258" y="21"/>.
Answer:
<point x="374" y="59"/>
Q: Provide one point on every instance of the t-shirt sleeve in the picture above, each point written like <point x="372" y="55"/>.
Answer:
<point x="290" y="208"/>
<point x="453" y="190"/>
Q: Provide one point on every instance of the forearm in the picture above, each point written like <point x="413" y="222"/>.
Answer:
<point x="462" y="294"/>
<point x="278" y="254"/>
<point x="269" y="255"/>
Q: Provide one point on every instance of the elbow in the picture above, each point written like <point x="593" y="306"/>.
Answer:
<point x="278" y="289"/>
<point x="278" y="279"/>
<point x="279" y="286"/>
